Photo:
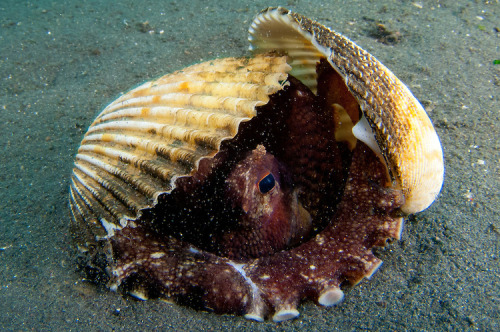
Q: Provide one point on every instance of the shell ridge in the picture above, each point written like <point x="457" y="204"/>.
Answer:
<point x="155" y="148"/>
<point x="85" y="218"/>
<point x="116" y="173"/>
<point x="93" y="201"/>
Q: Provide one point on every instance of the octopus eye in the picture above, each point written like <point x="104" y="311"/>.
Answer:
<point x="267" y="183"/>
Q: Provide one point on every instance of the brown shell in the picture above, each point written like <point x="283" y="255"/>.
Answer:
<point x="159" y="131"/>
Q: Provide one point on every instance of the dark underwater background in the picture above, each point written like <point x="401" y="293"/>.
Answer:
<point x="61" y="62"/>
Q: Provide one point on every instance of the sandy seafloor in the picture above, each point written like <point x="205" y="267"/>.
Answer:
<point x="61" y="62"/>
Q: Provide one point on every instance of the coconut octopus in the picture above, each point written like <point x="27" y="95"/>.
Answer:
<point x="246" y="185"/>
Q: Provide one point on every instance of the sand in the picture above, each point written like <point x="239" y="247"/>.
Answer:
<point x="62" y="62"/>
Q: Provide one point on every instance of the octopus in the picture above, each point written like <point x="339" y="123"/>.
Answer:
<point x="287" y="207"/>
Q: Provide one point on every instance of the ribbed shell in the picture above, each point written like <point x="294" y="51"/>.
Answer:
<point x="403" y="130"/>
<point x="143" y="141"/>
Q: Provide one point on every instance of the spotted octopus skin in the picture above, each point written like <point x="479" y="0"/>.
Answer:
<point x="270" y="221"/>
<point x="169" y="268"/>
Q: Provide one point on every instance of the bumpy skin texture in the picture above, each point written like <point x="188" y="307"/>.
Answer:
<point x="352" y="211"/>
<point x="272" y="219"/>
<point x="366" y="217"/>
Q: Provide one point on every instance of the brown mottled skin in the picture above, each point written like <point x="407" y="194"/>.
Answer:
<point x="270" y="221"/>
<point x="351" y="211"/>
<point x="174" y="269"/>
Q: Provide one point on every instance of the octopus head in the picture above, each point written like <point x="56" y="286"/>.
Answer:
<point x="272" y="218"/>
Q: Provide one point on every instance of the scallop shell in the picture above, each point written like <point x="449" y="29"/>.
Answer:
<point x="143" y="141"/>
<point x="402" y="130"/>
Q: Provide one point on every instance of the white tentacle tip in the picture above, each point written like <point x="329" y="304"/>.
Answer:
<point x="331" y="297"/>
<point x="255" y="317"/>
<point x="285" y="314"/>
